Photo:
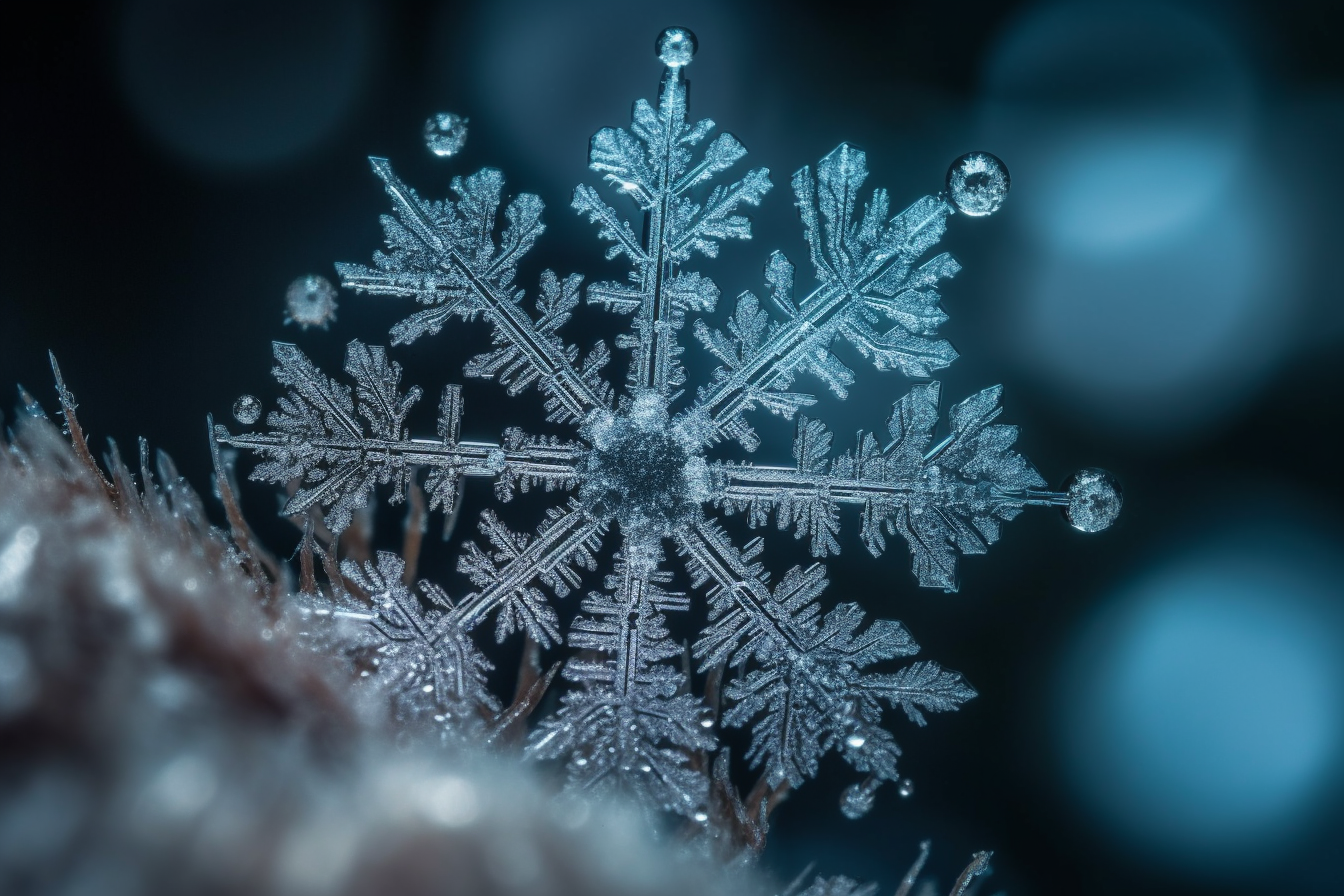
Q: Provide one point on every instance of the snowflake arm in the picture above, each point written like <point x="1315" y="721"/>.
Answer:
<point x="866" y="272"/>
<point x="429" y="659"/>
<point x="319" y="437"/>
<point x="651" y="163"/>
<point x="628" y="725"/>
<point x="444" y="256"/>
<point x="807" y="693"/>
<point x="942" y="498"/>
<point x="432" y="670"/>
<point x="565" y="543"/>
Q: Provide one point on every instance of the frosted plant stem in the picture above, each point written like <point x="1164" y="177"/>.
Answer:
<point x="911" y="876"/>
<point x="76" y="432"/>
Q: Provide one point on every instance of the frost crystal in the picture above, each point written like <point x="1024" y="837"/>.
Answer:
<point x="310" y="301"/>
<point x="804" y="675"/>
<point x="247" y="409"/>
<point x="978" y="183"/>
<point x="445" y="134"/>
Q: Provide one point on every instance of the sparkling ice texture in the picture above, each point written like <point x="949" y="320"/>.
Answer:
<point x="1094" y="500"/>
<point x="978" y="183"/>
<point x="804" y="675"/>
<point x="247" y="409"/>
<point x="857" y="799"/>
<point x="310" y="301"/>
<point x="445" y="134"/>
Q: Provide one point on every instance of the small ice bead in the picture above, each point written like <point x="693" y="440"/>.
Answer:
<point x="676" y="46"/>
<point x="1094" y="500"/>
<point x="310" y="301"/>
<point x="445" y="134"/>
<point x="978" y="183"/>
<point x="857" y="799"/>
<point x="905" y="789"/>
<point x="247" y="410"/>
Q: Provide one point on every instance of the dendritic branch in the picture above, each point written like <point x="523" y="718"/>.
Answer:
<point x="941" y="497"/>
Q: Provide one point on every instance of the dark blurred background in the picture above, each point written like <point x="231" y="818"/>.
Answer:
<point x="1162" y="705"/>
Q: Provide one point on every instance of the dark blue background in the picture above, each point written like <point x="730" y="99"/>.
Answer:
<point x="169" y="168"/>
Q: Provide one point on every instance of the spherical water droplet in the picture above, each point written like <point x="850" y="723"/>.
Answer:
<point x="978" y="183"/>
<point x="247" y="410"/>
<point x="857" y="799"/>
<point x="905" y="789"/>
<point x="856" y="740"/>
<point x="676" y="46"/>
<point x="446" y="134"/>
<point x="1094" y="500"/>
<point x="310" y="301"/>
<point x="701" y="817"/>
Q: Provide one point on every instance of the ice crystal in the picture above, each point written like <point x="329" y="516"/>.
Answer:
<point x="310" y="301"/>
<point x="445" y="134"/>
<point x="803" y="675"/>
<point x="247" y="409"/>
<point x="977" y="183"/>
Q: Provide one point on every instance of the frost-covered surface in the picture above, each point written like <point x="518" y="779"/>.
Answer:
<point x="803" y="675"/>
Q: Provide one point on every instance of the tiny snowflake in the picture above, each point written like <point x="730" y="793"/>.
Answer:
<point x="445" y="134"/>
<point x="802" y="678"/>
<point x="310" y="301"/>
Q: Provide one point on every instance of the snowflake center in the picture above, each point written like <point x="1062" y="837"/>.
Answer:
<point x="642" y="471"/>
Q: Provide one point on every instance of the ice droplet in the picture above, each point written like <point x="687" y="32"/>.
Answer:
<point x="445" y="134"/>
<point x="310" y="301"/>
<point x="857" y="799"/>
<point x="676" y="46"/>
<point x="905" y="789"/>
<point x="978" y="183"/>
<point x="1094" y="500"/>
<point x="856" y="740"/>
<point x="247" y="410"/>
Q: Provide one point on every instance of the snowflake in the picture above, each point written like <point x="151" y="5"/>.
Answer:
<point x="803" y="679"/>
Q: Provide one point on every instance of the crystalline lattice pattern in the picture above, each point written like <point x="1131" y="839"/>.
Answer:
<point x="805" y="679"/>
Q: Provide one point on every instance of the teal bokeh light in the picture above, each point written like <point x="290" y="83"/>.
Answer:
<point x="1203" y="707"/>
